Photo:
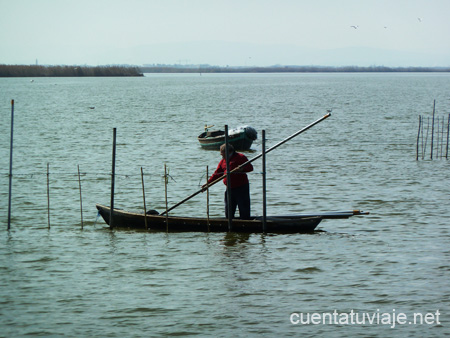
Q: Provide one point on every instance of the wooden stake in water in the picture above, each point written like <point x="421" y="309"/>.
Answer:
<point x="48" y="193"/>
<point x="10" y="164"/>
<point x="81" y="198"/>
<point x="448" y="128"/>
<point x="166" y="177"/>
<point x="418" y="137"/>
<point x="432" y="130"/>
<point x="113" y="176"/>
<point x="421" y="136"/>
<point x="437" y="139"/>
<point x="421" y="133"/>
<point x="442" y="138"/>
<point x="227" y="160"/>
<point x="426" y="139"/>
<point x="264" y="180"/>
<point x="207" y="196"/>
<point x="143" y="197"/>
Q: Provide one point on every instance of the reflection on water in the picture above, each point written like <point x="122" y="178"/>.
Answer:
<point x="233" y="238"/>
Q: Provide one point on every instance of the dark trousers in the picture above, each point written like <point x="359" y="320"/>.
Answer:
<point x="239" y="197"/>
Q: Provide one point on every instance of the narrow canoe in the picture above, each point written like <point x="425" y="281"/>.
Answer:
<point x="284" y="224"/>
<point x="275" y="224"/>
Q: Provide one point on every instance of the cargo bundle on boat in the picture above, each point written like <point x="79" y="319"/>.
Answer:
<point x="241" y="138"/>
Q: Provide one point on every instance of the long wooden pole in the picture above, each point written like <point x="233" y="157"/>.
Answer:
<point x="264" y="220"/>
<point x="143" y="197"/>
<point x="227" y="161"/>
<point x="113" y="176"/>
<point x="10" y="164"/>
<point x="253" y="159"/>
<point x="81" y="198"/>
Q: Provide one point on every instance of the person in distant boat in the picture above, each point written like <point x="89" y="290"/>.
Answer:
<point x="239" y="184"/>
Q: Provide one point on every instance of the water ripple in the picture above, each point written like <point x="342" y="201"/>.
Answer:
<point x="95" y="282"/>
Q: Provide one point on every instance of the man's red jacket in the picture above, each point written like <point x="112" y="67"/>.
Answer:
<point x="237" y="179"/>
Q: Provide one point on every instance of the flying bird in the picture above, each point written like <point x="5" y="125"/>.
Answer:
<point x="355" y="27"/>
<point x="420" y="19"/>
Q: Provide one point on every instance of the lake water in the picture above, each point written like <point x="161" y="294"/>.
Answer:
<point x="93" y="282"/>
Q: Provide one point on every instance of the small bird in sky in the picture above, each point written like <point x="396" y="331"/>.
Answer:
<point x="355" y="27"/>
<point x="420" y="19"/>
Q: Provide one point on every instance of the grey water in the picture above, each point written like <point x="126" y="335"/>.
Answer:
<point x="65" y="281"/>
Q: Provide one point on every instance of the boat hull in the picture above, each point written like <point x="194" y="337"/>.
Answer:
<point x="284" y="224"/>
<point x="240" y="139"/>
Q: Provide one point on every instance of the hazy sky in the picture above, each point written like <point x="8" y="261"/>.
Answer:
<point x="220" y="32"/>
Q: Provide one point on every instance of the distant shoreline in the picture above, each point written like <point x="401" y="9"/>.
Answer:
<point x="133" y="71"/>
<point x="68" y="71"/>
<point x="290" y="69"/>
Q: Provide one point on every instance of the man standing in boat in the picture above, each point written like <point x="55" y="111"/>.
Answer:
<point x="239" y="185"/>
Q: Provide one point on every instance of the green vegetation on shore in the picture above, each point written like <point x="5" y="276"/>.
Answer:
<point x="67" y="71"/>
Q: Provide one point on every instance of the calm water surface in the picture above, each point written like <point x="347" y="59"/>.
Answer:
<point x="69" y="282"/>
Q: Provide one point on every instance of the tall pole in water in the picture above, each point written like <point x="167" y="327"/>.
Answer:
<point x="113" y="175"/>
<point x="264" y="180"/>
<point x="10" y="164"/>
<point x="432" y="129"/>
<point x="143" y="197"/>
<point x="448" y="128"/>
<point x="228" y="197"/>
<point x="207" y="196"/>
<point x="48" y="194"/>
<point x="418" y="138"/>
<point x="81" y="197"/>
<point x="166" y="180"/>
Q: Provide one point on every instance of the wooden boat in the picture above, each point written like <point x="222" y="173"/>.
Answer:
<point x="241" y="138"/>
<point x="275" y="224"/>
